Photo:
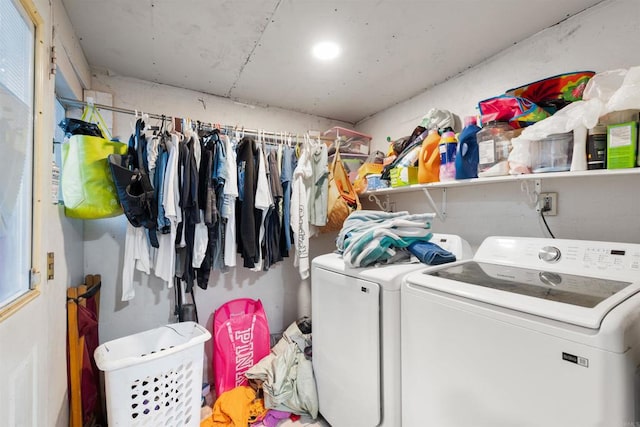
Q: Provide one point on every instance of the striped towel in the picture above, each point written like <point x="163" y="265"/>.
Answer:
<point x="368" y="237"/>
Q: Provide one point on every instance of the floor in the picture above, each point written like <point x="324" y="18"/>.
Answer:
<point x="304" y="421"/>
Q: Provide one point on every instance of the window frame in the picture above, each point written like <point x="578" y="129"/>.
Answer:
<point x="38" y="161"/>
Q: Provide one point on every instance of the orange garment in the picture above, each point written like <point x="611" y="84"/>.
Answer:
<point x="429" y="159"/>
<point x="237" y="407"/>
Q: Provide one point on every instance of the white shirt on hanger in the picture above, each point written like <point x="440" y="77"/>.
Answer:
<point x="136" y="257"/>
<point x="200" y="242"/>
<point x="300" y="210"/>
<point x="230" y="192"/>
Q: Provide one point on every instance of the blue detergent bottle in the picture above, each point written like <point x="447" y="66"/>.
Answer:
<point x="467" y="156"/>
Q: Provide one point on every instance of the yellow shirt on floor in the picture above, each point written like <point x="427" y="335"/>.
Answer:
<point x="236" y="408"/>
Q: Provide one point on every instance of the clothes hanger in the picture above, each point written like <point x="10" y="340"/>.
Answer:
<point x="298" y="144"/>
<point x="132" y="124"/>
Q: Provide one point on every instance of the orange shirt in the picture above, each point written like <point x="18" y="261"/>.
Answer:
<point x="236" y="408"/>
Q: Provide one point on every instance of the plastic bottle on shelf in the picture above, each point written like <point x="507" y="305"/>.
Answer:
<point x="494" y="144"/>
<point x="429" y="158"/>
<point x="467" y="154"/>
<point x="447" y="147"/>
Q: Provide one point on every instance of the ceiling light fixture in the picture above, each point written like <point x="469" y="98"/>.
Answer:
<point x="326" y="50"/>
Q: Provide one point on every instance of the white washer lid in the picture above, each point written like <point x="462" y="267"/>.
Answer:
<point x="578" y="300"/>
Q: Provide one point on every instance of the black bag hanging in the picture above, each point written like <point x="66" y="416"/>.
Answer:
<point x="72" y="127"/>
<point x="135" y="191"/>
<point x="185" y="312"/>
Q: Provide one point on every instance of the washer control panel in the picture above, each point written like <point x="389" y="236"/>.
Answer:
<point x="611" y="260"/>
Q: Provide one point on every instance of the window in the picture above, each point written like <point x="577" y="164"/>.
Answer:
<point x="17" y="63"/>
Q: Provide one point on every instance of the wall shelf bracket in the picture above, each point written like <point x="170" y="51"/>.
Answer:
<point x="538" y="186"/>
<point x="442" y="214"/>
<point x="383" y="205"/>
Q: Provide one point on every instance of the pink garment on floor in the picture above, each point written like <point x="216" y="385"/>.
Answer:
<point x="272" y="418"/>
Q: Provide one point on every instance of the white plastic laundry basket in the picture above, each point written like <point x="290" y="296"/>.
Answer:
<point x="154" y="378"/>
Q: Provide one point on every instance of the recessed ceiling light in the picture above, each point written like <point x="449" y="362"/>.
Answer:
<point x="326" y="50"/>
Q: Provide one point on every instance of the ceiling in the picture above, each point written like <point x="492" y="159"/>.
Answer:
<point x="259" y="51"/>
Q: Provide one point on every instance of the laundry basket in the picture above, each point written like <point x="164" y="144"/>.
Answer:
<point x="154" y="378"/>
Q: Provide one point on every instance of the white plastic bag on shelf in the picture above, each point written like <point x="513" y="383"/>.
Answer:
<point x="602" y="85"/>
<point x="613" y="90"/>
<point x="627" y="97"/>
<point x="520" y="156"/>
<point x="579" y="113"/>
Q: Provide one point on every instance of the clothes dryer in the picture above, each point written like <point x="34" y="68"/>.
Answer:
<point x="531" y="332"/>
<point x="356" y="337"/>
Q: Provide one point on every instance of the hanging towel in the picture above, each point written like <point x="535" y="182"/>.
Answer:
<point x="430" y="253"/>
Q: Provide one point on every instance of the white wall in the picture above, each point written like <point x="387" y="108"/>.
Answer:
<point x="594" y="208"/>
<point x="283" y="295"/>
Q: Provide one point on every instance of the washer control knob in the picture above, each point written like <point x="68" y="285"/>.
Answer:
<point x="550" y="279"/>
<point x="549" y="254"/>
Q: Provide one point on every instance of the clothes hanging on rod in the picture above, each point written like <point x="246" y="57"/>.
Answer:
<point x="219" y="192"/>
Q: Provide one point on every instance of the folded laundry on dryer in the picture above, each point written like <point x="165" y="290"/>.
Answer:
<point x="368" y="237"/>
<point x="430" y="253"/>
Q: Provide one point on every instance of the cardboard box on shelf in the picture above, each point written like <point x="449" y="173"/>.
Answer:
<point x="622" y="143"/>
<point x="403" y="175"/>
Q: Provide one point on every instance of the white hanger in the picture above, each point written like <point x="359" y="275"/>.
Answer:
<point x="132" y="124"/>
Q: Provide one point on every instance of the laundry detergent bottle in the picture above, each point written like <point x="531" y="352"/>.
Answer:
<point x="447" y="147"/>
<point x="467" y="156"/>
<point x="429" y="158"/>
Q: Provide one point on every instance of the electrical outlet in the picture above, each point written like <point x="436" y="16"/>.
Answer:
<point x="548" y="204"/>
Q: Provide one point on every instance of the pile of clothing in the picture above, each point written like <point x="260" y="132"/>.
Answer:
<point x="370" y="237"/>
<point x="281" y="386"/>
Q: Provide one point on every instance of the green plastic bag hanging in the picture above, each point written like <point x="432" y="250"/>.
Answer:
<point x="87" y="187"/>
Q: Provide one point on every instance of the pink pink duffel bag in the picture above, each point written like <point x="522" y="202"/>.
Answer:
<point x="240" y="340"/>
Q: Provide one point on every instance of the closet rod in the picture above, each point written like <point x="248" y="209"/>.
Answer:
<point x="75" y="103"/>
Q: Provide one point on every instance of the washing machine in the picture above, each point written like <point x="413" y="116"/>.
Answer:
<point x="530" y="332"/>
<point x="356" y="337"/>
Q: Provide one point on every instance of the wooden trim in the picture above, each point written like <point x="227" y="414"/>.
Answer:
<point x="17" y="304"/>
